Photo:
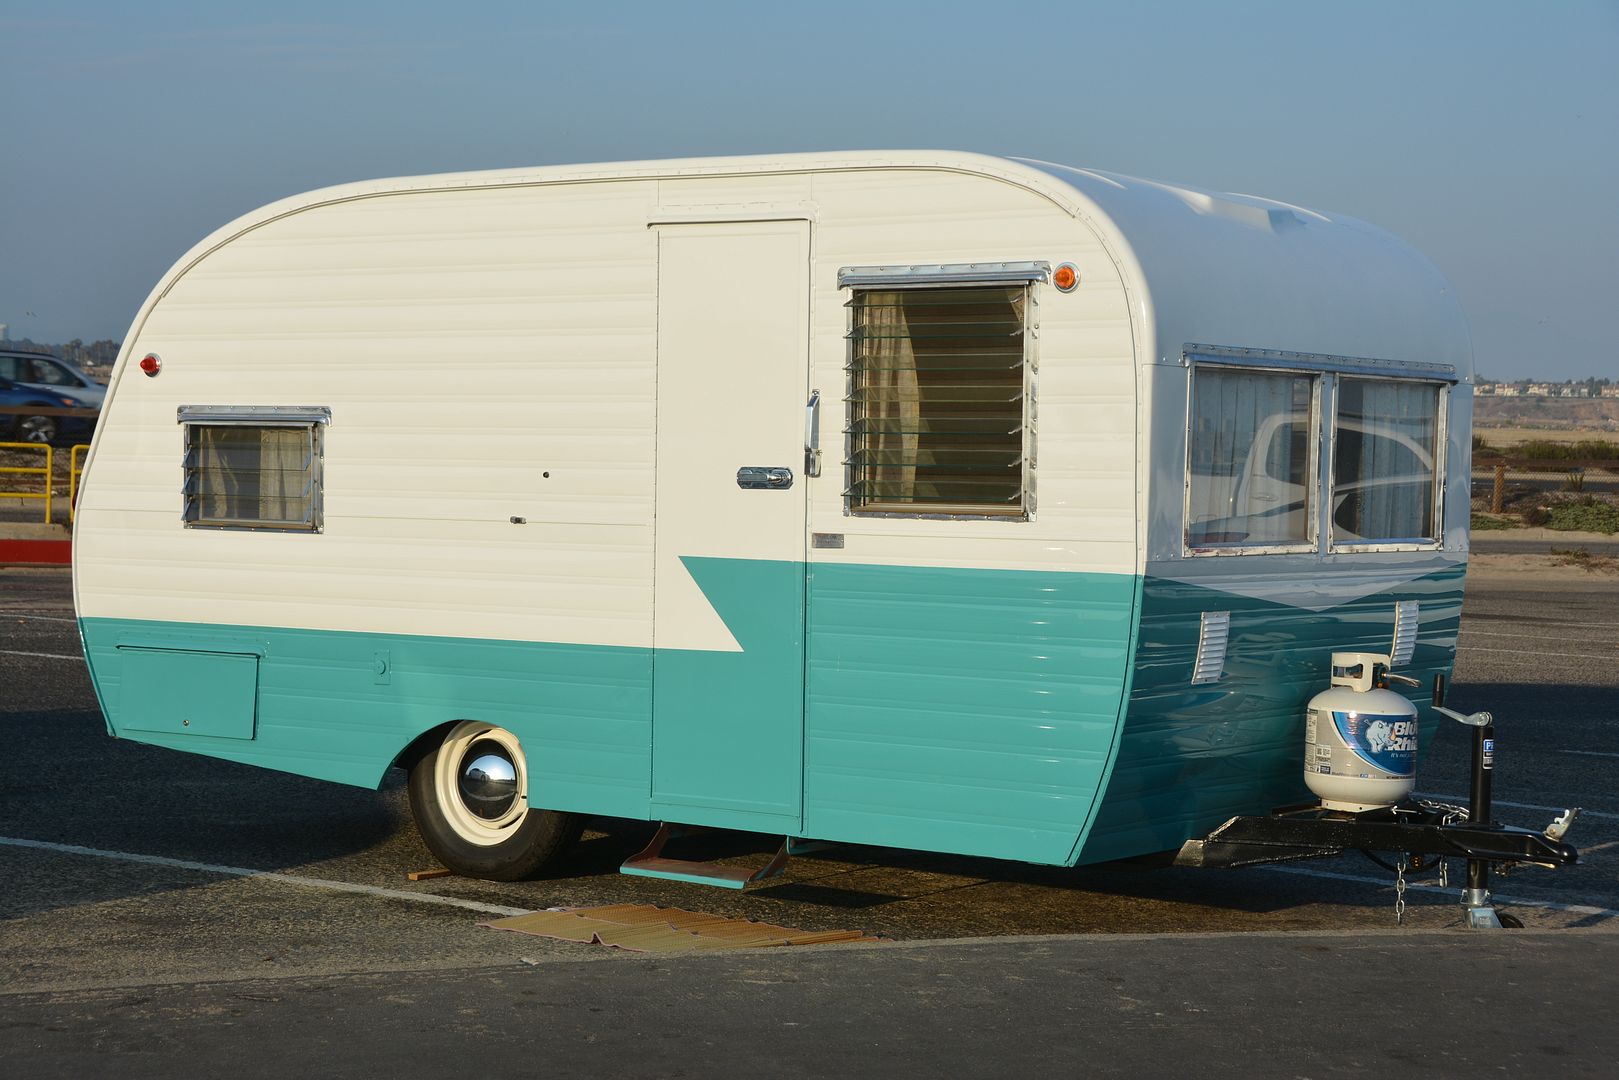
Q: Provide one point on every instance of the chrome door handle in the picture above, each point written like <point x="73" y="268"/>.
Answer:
<point x="764" y="476"/>
<point x="812" y="435"/>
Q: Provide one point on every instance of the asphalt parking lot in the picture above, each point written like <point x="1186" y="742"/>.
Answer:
<point x="129" y="873"/>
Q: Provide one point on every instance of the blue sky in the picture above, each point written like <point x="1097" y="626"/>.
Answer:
<point x="1484" y="133"/>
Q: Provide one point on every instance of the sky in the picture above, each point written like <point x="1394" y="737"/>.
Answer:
<point x="1485" y="133"/>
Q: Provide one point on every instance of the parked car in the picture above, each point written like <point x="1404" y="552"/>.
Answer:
<point x="51" y="373"/>
<point x="24" y="427"/>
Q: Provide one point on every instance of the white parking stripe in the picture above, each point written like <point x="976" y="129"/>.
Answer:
<point x="1590" y="753"/>
<point x="45" y="655"/>
<point x="1518" y="901"/>
<point x="1530" y="633"/>
<point x="1558" y="622"/>
<point x="264" y="875"/>
<point x="1533" y="652"/>
<point x="37" y="618"/>
<point x="1462" y="800"/>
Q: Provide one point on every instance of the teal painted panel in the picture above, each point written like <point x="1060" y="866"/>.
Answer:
<point x="582" y="712"/>
<point x="193" y="694"/>
<point x="969" y="711"/>
<point x="1190" y="757"/>
<point x="950" y="710"/>
<point x="728" y="728"/>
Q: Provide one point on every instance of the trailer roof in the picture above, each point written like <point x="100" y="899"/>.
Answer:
<point x="1205" y="267"/>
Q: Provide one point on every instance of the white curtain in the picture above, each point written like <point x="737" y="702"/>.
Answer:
<point x="253" y="473"/>
<point x="1249" y="457"/>
<point x="1383" y="472"/>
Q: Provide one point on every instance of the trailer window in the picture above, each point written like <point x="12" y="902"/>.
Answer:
<point x="253" y="476"/>
<point x="1250" y="457"/>
<point x="1385" y="481"/>
<point x="939" y="402"/>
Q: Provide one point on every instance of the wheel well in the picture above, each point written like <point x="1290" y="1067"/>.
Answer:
<point x="421" y="746"/>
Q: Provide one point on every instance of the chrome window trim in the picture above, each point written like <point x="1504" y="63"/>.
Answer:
<point x="313" y="417"/>
<point x="257" y="415"/>
<point x="944" y="274"/>
<point x="1324" y="363"/>
<point x="1031" y="336"/>
<point x="1440" y="462"/>
<point x="1312" y="542"/>
<point x="1329" y="370"/>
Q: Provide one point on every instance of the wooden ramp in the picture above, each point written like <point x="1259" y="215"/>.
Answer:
<point x="651" y="929"/>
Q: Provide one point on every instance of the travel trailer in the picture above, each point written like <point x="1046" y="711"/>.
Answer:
<point x="924" y="500"/>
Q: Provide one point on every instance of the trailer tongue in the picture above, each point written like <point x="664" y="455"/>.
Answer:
<point x="1411" y="828"/>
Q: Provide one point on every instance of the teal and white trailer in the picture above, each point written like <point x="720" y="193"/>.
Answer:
<point x="927" y="500"/>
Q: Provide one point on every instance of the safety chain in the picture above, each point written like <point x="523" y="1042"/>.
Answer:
<point x="1452" y="814"/>
<point x="1399" y="890"/>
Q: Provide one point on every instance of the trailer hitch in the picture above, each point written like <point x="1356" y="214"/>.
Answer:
<point x="1410" y="828"/>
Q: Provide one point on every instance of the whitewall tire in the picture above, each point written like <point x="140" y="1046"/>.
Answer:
<point x="471" y="800"/>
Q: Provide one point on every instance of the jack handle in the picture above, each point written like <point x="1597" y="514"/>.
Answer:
<point x="1478" y="719"/>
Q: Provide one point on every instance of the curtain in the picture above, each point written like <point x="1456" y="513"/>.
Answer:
<point x="250" y="474"/>
<point x="1249" y="457"/>
<point x="892" y="400"/>
<point x="1383" y="472"/>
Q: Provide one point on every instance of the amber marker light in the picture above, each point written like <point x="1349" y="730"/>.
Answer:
<point x="150" y="364"/>
<point x="1066" y="277"/>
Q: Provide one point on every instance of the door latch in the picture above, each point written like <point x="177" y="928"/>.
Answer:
<point x="764" y="476"/>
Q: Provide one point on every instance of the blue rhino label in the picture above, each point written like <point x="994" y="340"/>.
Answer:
<point x="1387" y="743"/>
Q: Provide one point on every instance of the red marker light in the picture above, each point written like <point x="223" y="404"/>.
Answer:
<point x="150" y="364"/>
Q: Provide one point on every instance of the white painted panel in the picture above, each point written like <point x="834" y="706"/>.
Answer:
<point x="732" y="314"/>
<point x="469" y="341"/>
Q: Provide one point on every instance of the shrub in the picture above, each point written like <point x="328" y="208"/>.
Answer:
<point x="1586" y="515"/>
<point x="1585" y="450"/>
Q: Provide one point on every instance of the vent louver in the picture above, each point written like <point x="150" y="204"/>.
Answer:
<point x="1211" y="643"/>
<point x="1405" y="633"/>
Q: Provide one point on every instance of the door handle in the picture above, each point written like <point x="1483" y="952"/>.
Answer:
<point x="812" y="435"/>
<point x="764" y="476"/>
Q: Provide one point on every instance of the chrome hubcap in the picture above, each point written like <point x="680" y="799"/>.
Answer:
<point x="487" y="780"/>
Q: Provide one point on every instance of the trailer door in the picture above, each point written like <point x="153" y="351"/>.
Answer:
<point x="728" y="622"/>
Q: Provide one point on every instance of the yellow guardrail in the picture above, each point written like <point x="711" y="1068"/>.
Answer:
<point x="74" y="471"/>
<point x="26" y="470"/>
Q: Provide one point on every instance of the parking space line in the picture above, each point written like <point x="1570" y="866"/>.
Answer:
<point x="1558" y="622"/>
<point x="263" y="875"/>
<point x="37" y="618"/>
<point x="1532" y="652"/>
<point x="1590" y="753"/>
<point x="1519" y="901"/>
<point x="1462" y="799"/>
<point x="1469" y="632"/>
<point x="45" y="655"/>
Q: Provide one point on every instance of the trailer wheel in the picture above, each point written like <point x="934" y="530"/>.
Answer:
<point x="470" y="800"/>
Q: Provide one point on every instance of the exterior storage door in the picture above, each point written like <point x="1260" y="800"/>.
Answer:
<point x="728" y="622"/>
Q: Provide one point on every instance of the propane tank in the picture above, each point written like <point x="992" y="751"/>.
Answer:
<point x="1360" y="738"/>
